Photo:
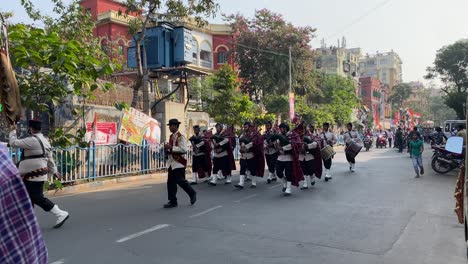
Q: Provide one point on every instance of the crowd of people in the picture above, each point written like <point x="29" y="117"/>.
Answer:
<point x="295" y="157"/>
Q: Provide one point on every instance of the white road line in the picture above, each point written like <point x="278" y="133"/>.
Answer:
<point x="275" y="186"/>
<point x="149" y="230"/>
<point x="60" y="261"/>
<point x="245" y="198"/>
<point x="206" y="211"/>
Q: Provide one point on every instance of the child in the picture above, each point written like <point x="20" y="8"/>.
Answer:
<point x="416" y="147"/>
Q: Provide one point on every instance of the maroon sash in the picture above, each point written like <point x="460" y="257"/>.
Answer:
<point x="177" y="156"/>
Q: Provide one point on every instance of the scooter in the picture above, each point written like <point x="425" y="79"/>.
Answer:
<point x="381" y="141"/>
<point x="444" y="161"/>
<point x="367" y="142"/>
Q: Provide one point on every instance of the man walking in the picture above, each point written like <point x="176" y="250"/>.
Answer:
<point x="176" y="149"/>
<point x="35" y="164"/>
<point x="399" y="139"/>
<point x="201" y="159"/>
<point x="328" y="138"/>
<point x="416" y="148"/>
<point x="390" y="138"/>
<point x="271" y="153"/>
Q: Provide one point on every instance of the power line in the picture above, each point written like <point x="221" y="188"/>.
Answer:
<point x="357" y="20"/>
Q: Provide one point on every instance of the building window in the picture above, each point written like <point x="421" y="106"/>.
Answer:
<point x="222" y="57"/>
<point x="121" y="49"/>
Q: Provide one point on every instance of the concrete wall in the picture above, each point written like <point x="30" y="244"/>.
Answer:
<point x="168" y="110"/>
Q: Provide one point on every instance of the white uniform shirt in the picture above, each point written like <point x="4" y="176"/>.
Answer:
<point x="269" y="150"/>
<point x="351" y="135"/>
<point x="224" y="152"/>
<point x="246" y="155"/>
<point x="32" y="147"/>
<point x="328" y="137"/>
<point x="308" y="156"/>
<point x="181" y="148"/>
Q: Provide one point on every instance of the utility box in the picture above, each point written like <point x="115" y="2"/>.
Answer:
<point x="165" y="47"/>
<point x="183" y="39"/>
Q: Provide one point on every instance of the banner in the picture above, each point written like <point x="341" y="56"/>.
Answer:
<point x="137" y="126"/>
<point x="102" y="133"/>
<point x="291" y="106"/>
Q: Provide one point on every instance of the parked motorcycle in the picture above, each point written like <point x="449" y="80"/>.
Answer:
<point x="444" y="161"/>
<point x="367" y="142"/>
<point x="381" y="141"/>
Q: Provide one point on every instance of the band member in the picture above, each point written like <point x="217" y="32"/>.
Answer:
<point x="349" y="137"/>
<point x="306" y="159"/>
<point x="201" y="163"/>
<point x="176" y="149"/>
<point x="284" y="161"/>
<point x="329" y="139"/>
<point x="221" y="159"/>
<point x="271" y="153"/>
<point x="36" y="163"/>
<point x="247" y="157"/>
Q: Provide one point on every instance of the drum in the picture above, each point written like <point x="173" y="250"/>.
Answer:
<point x="327" y="152"/>
<point x="353" y="149"/>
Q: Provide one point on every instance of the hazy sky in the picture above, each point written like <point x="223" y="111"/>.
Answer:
<point x="415" y="29"/>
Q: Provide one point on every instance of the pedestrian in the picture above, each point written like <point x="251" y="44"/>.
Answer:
<point x="306" y="158"/>
<point x="399" y="139"/>
<point x="390" y="138"/>
<point x="221" y="160"/>
<point x="416" y="148"/>
<point x="461" y="133"/>
<point x="22" y="240"/>
<point x="176" y="150"/>
<point x="329" y="139"/>
<point x="35" y="164"/>
<point x="351" y="137"/>
<point x="284" y="164"/>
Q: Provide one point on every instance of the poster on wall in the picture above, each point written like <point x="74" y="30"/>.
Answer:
<point x="102" y="133"/>
<point x="137" y="126"/>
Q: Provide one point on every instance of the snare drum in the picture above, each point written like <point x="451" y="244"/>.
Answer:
<point x="353" y="149"/>
<point x="327" y="152"/>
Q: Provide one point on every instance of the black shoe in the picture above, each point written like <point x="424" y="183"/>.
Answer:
<point x="247" y="179"/>
<point x="284" y="189"/>
<point x="274" y="179"/>
<point x="421" y="171"/>
<point x="269" y="181"/>
<point x="253" y="186"/>
<point x="170" y="205"/>
<point x="304" y="188"/>
<point x="63" y="222"/>
<point x="193" y="183"/>
<point x="193" y="199"/>
<point x="312" y="183"/>
<point x="227" y="182"/>
<point x="211" y="184"/>
<point x="239" y="186"/>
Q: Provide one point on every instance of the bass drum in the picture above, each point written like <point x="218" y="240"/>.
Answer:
<point x="353" y="149"/>
<point x="327" y="152"/>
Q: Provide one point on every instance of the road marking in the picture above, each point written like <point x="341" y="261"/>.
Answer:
<point x="149" y="230"/>
<point x="245" y="198"/>
<point x="275" y="186"/>
<point x="60" y="261"/>
<point x="206" y="211"/>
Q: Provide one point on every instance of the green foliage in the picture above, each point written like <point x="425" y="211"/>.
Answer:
<point x="228" y="105"/>
<point x="277" y="104"/>
<point x="451" y="67"/>
<point x="262" y="46"/>
<point x="440" y="111"/>
<point x="400" y="93"/>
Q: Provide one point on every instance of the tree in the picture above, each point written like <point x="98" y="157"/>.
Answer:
<point x="440" y="111"/>
<point x="59" y="60"/>
<point x="399" y="94"/>
<point x="155" y="11"/>
<point x="451" y="67"/>
<point x="261" y="47"/>
<point x="278" y="105"/>
<point x="228" y="105"/>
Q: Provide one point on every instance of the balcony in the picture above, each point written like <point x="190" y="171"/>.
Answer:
<point x="114" y="16"/>
<point x="205" y="64"/>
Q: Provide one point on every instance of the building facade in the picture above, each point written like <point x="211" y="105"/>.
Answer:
<point x="371" y="94"/>
<point x="337" y="60"/>
<point x="383" y="66"/>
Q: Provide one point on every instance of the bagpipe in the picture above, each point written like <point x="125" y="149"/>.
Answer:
<point x="252" y="136"/>
<point x="226" y="133"/>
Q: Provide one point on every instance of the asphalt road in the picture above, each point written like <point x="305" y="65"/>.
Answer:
<point x="379" y="214"/>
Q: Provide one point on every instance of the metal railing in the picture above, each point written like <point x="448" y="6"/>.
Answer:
<point x="98" y="161"/>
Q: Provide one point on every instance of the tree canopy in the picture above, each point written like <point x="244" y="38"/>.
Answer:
<point x="400" y="93"/>
<point x="261" y="45"/>
<point x="451" y="67"/>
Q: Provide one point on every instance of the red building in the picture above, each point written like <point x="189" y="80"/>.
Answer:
<point x="371" y="96"/>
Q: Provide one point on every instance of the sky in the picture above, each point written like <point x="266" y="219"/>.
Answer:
<point x="415" y="29"/>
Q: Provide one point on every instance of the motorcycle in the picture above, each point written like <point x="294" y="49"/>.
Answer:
<point x="367" y="142"/>
<point x="444" y="161"/>
<point x="381" y="141"/>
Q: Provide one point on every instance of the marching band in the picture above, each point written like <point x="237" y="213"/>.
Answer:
<point x="294" y="156"/>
